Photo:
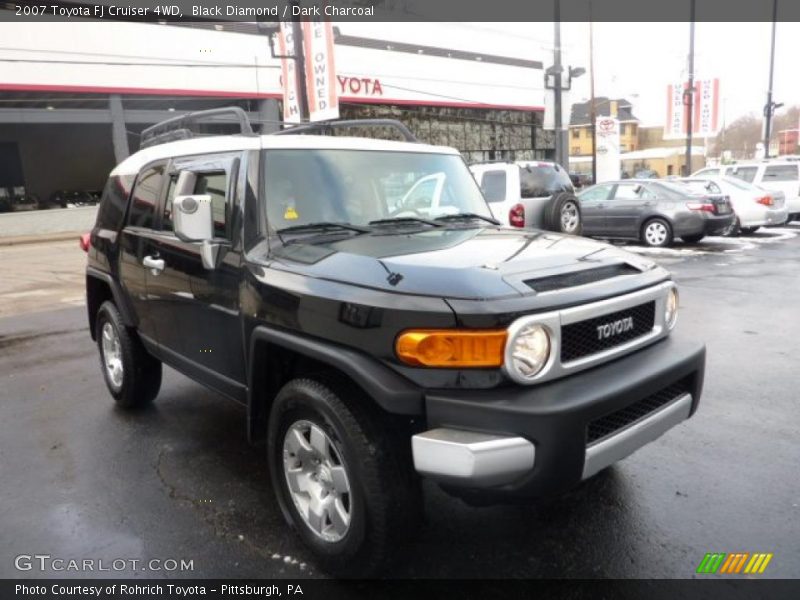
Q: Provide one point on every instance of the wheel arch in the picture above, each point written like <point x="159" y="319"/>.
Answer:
<point x="277" y="356"/>
<point x="101" y="287"/>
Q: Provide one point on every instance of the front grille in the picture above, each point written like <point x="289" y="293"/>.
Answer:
<point x="567" y="280"/>
<point x="583" y="339"/>
<point x="613" y="423"/>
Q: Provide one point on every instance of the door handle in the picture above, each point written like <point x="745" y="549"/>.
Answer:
<point x="156" y="265"/>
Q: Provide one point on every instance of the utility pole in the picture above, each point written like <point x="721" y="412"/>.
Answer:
<point x="561" y="154"/>
<point x="770" y="107"/>
<point x="688" y="94"/>
<point x="592" y="109"/>
<point x="299" y="62"/>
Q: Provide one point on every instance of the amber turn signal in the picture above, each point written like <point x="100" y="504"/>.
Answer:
<point x="452" y="347"/>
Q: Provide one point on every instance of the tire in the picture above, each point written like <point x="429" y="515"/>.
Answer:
<point x="657" y="233"/>
<point x="563" y="214"/>
<point x="131" y="373"/>
<point x="360" y="472"/>
<point x="693" y="239"/>
<point x="734" y="230"/>
<point x="750" y="230"/>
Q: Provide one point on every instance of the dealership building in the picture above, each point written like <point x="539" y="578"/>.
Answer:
<point x="75" y="96"/>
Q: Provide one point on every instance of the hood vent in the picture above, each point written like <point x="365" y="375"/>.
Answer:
<point x="568" y="280"/>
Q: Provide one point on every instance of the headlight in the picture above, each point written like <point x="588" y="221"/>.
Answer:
<point x="671" y="308"/>
<point x="528" y="351"/>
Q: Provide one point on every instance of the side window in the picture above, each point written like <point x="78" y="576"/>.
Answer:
<point x="493" y="185"/>
<point x="146" y="192"/>
<point x="114" y="201"/>
<point x="215" y="184"/>
<point x="744" y="173"/>
<point x="627" y="191"/>
<point x="780" y="173"/>
<point x="597" y="193"/>
<point x="649" y="194"/>
<point x="708" y="172"/>
<point x="166" y="219"/>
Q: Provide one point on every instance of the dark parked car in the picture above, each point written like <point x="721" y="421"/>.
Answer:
<point x="371" y="347"/>
<point x="654" y="212"/>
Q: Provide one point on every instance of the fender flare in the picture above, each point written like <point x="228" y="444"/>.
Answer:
<point x="392" y="392"/>
<point x="120" y="299"/>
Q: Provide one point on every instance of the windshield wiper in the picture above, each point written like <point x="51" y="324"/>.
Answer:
<point x="467" y="215"/>
<point x="401" y="220"/>
<point x="323" y="226"/>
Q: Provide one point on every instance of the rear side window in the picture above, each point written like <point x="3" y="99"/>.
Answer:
<point x="543" y="180"/>
<point x="747" y="174"/>
<point x="627" y="191"/>
<point x="493" y="185"/>
<point x="215" y="185"/>
<point x="145" y="197"/>
<point x="114" y="201"/>
<point x="780" y="173"/>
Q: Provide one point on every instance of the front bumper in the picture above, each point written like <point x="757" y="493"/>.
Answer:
<point x="543" y="439"/>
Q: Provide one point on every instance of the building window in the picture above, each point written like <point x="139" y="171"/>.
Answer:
<point x="576" y="150"/>
<point x="576" y="133"/>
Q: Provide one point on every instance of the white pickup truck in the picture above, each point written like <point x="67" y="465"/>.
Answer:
<point x="530" y="194"/>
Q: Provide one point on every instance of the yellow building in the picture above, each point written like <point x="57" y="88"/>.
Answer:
<point x="580" y="125"/>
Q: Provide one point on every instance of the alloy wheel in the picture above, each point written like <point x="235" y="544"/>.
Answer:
<point x="656" y="233"/>
<point x="317" y="480"/>
<point x="112" y="355"/>
<point x="570" y="217"/>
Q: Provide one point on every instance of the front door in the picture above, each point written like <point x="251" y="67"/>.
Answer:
<point x="197" y="309"/>
<point x="136" y="245"/>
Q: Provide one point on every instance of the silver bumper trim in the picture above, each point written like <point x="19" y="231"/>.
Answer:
<point x="471" y="458"/>
<point x="615" y="448"/>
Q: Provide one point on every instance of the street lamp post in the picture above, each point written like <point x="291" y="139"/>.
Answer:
<point x="688" y="95"/>
<point x="769" y="108"/>
<point x="592" y="112"/>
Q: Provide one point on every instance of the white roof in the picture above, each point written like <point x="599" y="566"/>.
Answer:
<point x="228" y="143"/>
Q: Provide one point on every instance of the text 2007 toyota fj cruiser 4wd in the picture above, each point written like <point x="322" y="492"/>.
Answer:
<point x="372" y="345"/>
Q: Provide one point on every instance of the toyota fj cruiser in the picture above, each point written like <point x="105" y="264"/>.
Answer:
<point x="372" y="343"/>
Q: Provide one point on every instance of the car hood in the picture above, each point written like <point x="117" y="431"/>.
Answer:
<point x="466" y="263"/>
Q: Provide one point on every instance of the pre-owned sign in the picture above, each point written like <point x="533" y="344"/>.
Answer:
<point x="323" y="103"/>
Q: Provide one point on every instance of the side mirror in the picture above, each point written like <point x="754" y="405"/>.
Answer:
<point x="194" y="220"/>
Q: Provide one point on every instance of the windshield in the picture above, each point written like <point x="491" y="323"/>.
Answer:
<point x="359" y="186"/>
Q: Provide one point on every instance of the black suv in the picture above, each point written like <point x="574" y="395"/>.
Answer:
<point x="371" y="344"/>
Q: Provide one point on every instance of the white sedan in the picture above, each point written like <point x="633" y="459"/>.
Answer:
<point x="754" y="206"/>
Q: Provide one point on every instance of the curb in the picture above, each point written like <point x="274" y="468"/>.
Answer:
<point x="42" y="238"/>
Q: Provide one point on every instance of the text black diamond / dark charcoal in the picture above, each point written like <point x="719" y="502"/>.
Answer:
<point x="581" y="339"/>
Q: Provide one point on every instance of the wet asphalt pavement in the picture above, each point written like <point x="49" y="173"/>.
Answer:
<point x="81" y="479"/>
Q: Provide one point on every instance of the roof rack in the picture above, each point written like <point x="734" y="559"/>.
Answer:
<point x="179" y="128"/>
<point x="327" y="126"/>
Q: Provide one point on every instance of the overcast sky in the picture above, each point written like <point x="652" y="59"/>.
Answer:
<point x="643" y="58"/>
